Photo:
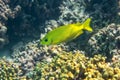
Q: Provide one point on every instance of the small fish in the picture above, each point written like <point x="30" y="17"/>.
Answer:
<point x="66" y="33"/>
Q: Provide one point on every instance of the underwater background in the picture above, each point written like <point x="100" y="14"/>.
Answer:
<point x="91" y="56"/>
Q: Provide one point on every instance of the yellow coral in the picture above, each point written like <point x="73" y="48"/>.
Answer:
<point x="70" y="74"/>
<point x="68" y="66"/>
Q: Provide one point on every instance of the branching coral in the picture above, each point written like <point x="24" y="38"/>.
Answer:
<point x="68" y="66"/>
<point x="27" y="55"/>
<point x="62" y="67"/>
<point x="6" y="12"/>
<point x="101" y="12"/>
<point x="3" y="37"/>
<point x="104" y="11"/>
<point x="9" y="70"/>
<point x="105" y="41"/>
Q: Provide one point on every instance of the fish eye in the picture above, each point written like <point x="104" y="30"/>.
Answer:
<point x="46" y="40"/>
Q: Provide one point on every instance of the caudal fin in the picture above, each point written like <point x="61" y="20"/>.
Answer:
<point x="86" y="25"/>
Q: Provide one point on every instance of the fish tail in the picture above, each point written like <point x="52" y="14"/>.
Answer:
<point x="86" y="25"/>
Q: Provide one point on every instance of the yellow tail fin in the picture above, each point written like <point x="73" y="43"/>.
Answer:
<point x="86" y="25"/>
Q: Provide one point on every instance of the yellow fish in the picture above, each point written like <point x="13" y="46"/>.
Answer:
<point x="66" y="33"/>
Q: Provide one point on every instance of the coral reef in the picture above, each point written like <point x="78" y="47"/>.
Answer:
<point x="5" y="13"/>
<point x="3" y="36"/>
<point x="69" y="66"/>
<point x="118" y="7"/>
<point x="70" y="11"/>
<point x="104" y="11"/>
<point x="28" y="54"/>
<point x="41" y="16"/>
<point x="101" y="12"/>
<point x="106" y="41"/>
<point x="9" y="70"/>
<point x="20" y="18"/>
<point x="115" y="62"/>
<point x="78" y="10"/>
<point x="32" y="15"/>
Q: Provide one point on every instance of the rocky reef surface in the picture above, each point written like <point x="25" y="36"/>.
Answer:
<point x="6" y="12"/>
<point x="25" y="21"/>
<point x="106" y="41"/>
